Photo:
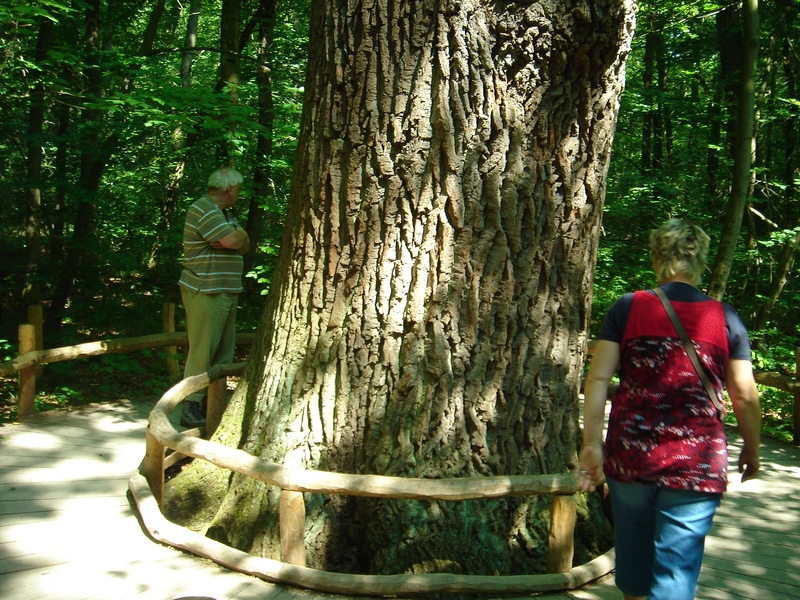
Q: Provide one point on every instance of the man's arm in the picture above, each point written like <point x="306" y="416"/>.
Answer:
<point x="742" y="389"/>
<point x="236" y="240"/>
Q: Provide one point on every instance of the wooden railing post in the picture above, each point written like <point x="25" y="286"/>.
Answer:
<point x="215" y="404"/>
<point x="153" y="466"/>
<point x="26" y="406"/>
<point x="168" y="326"/>
<point x="292" y="510"/>
<point x="561" y="547"/>
<point x="36" y="318"/>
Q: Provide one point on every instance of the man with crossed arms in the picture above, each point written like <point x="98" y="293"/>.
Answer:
<point x="213" y="245"/>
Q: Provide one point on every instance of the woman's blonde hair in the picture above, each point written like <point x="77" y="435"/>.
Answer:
<point x="679" y="247"/>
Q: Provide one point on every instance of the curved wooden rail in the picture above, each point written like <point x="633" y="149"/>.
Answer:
<point x="147" y="490"/>
<point x="166" y="532"/>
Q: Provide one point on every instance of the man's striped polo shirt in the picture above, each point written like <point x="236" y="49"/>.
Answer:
<point x="206" y="269"/>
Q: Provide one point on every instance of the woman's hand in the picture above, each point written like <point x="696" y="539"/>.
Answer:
<point x="749" y="464"/>
<point x="591" y="467"/>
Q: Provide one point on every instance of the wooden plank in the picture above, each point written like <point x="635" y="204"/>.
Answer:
<point x="757" y="567"/>
<point x="745" y="550"/>
<point x="62" y="471"/>
<point x="81" y="430"/>
<point x="292" y="510"/>
<point x="32" y="561"/>
<point x="27" y="376"/>
<point x="744" y="521"/>
<point x="85" y="488"/>
<point x="43" y="439"/>
<point x="783" y="539"/>
<point x="13" y="460"/>
<point x="58" y="508"/>
<point x="747" y="587"/>
<point x="785" y="508"/>
<point x="751" y="552"/>
<point x="561" y="542"/>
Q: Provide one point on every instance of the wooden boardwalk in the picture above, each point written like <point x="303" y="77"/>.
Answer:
<point x="68" y="532"/>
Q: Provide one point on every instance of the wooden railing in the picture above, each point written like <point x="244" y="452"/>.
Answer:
<point x="32" y="357"/>
<point x="148" y="488"/>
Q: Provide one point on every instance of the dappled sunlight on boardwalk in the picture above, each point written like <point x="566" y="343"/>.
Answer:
<point x="753" y="549"/>
<point x="68" y="532"/>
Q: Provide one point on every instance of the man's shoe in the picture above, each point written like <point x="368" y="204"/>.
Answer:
<point x="192" y="416"/>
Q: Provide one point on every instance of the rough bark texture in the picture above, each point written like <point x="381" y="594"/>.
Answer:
<point x="428" y="317"/>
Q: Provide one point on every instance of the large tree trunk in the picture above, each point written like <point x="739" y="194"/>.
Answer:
<point x="429" y="313"/>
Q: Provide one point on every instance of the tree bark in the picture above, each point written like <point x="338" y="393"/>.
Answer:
<point x="742" y="153"/>
<point x="229" y="44"/>
<point x="428" y="315"/>
<point x="722" y="110"/>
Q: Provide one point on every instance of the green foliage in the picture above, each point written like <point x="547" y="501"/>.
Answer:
<point x="777" y="410"/>
<point x="61" y="397"/>
<point x="262" y="272"/>
<point x="684" y="169"/>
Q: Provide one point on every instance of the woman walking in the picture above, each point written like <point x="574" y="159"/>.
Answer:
<point x="665" y="456"/>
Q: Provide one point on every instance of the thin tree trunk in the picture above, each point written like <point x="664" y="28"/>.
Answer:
<point x="32" y="290"/>
<point x="62" y="154"/>
<point x="262" y="176"/>
<point x="151" y="31"/>
<point x="93" y="159"/>
<point x="229" y="61"/>
<point x="190" y="41"/>
<point x="648" y="129"/>
<point x="715" y="110"/>
<point x="162" y="252"/>
<point x="655" y="123"/>
<point x="779" y="279"/>
<point x="742" y="153"/>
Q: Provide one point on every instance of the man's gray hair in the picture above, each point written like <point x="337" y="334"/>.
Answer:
<point x="225" y="178"/>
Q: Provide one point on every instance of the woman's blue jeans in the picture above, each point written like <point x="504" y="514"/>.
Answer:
<point x="660" y="536"/>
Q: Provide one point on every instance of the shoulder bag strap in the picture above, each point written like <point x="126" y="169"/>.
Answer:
<point x="690" y="349"/>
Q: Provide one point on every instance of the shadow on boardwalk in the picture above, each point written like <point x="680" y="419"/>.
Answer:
<point x="68" y="532"/>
